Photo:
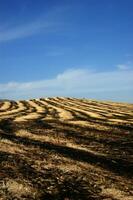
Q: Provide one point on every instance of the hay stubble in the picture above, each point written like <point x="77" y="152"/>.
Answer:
<point x="66" y="148"/>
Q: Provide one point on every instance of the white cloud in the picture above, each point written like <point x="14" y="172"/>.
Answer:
<point x="123" y="66"/>
<point x="75" y="82"/>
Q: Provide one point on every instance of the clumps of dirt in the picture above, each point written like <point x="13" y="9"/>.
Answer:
<point x="15" y="190"/>
<point x="7" y="125"/>
<point x="59" y="185"/>
<point x="53" y="184"/>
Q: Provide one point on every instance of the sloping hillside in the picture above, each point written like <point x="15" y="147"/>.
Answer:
<point x="66" y="149"/>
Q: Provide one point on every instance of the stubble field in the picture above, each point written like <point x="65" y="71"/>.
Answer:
<point x="66" y="149"/>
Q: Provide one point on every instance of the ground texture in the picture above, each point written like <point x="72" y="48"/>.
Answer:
<point x="66" y="149"/>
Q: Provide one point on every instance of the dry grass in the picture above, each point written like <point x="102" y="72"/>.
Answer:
<point x="66" y="149"/>
<point x="5" y="106"/>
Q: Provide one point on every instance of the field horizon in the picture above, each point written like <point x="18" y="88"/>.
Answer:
<point x="66" y="149"/>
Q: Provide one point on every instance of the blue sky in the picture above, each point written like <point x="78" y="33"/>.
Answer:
<point x="66" y="48"/>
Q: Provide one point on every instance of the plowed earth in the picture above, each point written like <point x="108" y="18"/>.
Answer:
<point x="66" y="149"/>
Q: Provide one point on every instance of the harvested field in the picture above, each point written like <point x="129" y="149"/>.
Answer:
<point x="66" y="149"/>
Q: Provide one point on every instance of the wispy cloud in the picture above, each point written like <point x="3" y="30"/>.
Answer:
<point x="123" y="66"/>
<point x="47" y="23"/>
<point x="26" y="30"/>
<point x="129" y="55"/>
<point x="115" y="85"/>
<point x="126" y="66"/>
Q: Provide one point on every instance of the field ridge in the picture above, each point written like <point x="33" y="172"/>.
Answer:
<point x="66" y="148"/>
